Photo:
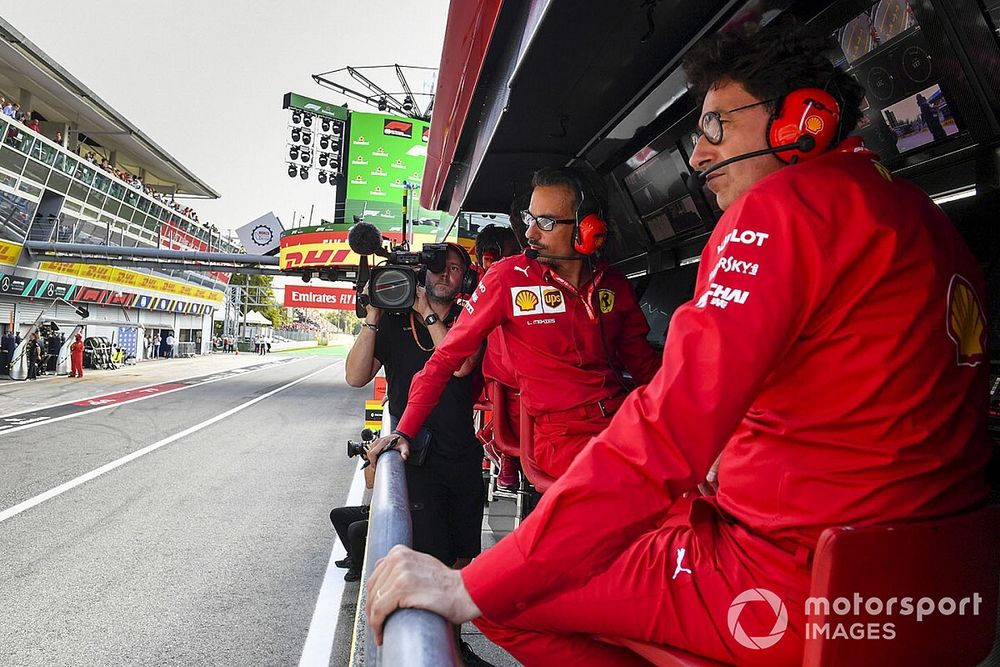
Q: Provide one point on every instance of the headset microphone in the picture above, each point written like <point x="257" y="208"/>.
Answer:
<point x="531" y="253"/>
<point x="805" y="144"/>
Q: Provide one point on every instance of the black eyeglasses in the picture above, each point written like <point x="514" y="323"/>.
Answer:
<point x="712" y="122"/>
<point x="545" y="223"/>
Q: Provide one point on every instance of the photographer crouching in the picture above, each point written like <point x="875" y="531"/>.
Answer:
<point x="444" y="464"/>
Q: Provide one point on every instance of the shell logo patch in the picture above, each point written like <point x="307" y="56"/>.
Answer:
<point x="606" y="299"/>
<point x="526" y="301"/>
<point x="815" y="124"/>
<point x="966" y="323"/>
<point x="534" y="300"/>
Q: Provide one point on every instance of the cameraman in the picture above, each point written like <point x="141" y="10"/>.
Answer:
<point x="446" y="491"/>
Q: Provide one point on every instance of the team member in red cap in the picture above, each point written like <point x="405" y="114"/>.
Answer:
<point x="571" y="326"/>
<point x="834" y="354"/>
<point x="76" y="357"/>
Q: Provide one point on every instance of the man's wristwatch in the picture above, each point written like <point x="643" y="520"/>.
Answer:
<point x="373" y="327"/>
<point x="431" y="320"/>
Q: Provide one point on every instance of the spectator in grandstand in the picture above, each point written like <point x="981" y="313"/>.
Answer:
<point x="445" y="479"/>
<point x="571" y="324"/>
<point x="33" y="124"/>
<point x="809" y="376"/>
<point x="8" y="109"/>
<point x="492" y="244"/>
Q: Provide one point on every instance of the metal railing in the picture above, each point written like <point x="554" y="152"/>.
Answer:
<point x="411" y="636"/>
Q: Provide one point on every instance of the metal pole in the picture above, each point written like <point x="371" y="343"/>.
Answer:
<point x="311" y="207"/>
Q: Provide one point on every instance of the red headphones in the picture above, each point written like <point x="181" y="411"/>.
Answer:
<point x="804" y="112"/>
<point x="591" y="231"/>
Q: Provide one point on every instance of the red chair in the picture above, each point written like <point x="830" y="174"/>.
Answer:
<point x="504" y="437"/>
<point x="956" y="557"/>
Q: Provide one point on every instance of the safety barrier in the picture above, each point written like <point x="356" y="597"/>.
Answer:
<point x="411" y="636"/>
<point x="186" y="349"/>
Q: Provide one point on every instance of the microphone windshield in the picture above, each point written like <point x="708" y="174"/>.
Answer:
<point x="365" y="239"/>
<point x="531" y="253"/>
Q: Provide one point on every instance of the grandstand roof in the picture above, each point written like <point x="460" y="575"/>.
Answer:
<point x="59" y="97"/>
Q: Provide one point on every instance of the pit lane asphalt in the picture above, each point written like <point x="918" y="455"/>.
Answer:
<point x="210" y="550"/>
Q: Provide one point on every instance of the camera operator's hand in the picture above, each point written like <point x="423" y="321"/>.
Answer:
<point x="421" y="306"/>
<point x="372" y="314"/>
<point x="401" y="444"/>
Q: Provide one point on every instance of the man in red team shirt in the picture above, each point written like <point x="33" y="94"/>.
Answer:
<point x="569" y="325"/>
<point x="834" y="355"/>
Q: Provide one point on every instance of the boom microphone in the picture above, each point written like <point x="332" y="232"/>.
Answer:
<point x="805" y="144"/>
<point x="531" y="253"/>
<point x="365" y="239"/>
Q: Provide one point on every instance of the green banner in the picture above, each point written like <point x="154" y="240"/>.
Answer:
<point x="308" y="104"/>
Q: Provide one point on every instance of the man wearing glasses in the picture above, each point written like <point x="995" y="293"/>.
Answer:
<point x="834" y="355"/>
<point x="571" y="326"/>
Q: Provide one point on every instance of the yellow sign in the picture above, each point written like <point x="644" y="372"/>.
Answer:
<point x="373" y="415"/>
<point x="133" y="279"/>
<point x="9" y="252"/>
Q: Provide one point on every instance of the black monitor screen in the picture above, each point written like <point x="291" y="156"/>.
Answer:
<point x="666" y="292"/>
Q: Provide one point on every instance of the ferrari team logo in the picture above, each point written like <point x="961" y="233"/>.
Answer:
<point x="966" y="322"/>
<point x="606" y="299"/>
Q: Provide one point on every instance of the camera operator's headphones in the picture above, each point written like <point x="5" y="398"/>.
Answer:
<point x="470" y="278"/>
<point x="591" y="231"/>
<point x="802" y="113"/>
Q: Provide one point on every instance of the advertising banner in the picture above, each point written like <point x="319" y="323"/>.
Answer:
<point x="386" y="153"/>
<point x="172" y="237"/>
<point x="331" y="298"/>
<point x="9" y="252"/>
<point x="127" y="278"/>
<point x="326" y="245"/>
<point x="262" y="236"/>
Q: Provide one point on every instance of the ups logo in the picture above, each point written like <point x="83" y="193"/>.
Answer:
<point x="553" y="299"/>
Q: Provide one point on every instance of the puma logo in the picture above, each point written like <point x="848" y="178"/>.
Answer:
<point x="680" y="559"/>
<point x="522" y="269"/>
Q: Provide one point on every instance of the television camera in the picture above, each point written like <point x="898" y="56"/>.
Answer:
<point x="392" y="286"/>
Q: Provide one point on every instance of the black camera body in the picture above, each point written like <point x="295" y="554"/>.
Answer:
<point x="393" y="286"/>
<point x="360" y="448"/>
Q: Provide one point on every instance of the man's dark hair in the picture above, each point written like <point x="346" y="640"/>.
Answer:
<point x="493" y="236"/>
<point x="574" y="180"/>
<point x="771" y="62"/>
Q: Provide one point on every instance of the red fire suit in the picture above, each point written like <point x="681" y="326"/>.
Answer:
<point x="835" y="355"/>
<point x="561" y="343"/>
<point x="76" y="359"/>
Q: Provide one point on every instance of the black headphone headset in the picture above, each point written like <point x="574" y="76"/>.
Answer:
<point x="470" y="279"/>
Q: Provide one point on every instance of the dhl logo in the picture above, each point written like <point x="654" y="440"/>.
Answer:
<point x="294" y="258"/>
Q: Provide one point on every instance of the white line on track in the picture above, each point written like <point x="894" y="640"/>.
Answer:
<point x="323" y="627"/>
<point x="73" y="483"/>
<point x="46" y="421"/>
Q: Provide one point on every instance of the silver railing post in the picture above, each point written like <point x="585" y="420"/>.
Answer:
<point x="411" y="637"/>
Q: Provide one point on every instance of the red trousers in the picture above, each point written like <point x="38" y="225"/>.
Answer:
<point x="76" y="365"/>
<point x="558" y="442"/>
<point x="674" y="587"/>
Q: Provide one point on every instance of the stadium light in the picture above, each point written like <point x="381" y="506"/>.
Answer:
<point x="303" y="172"/>
<point x="407" y="104"/>
<point x="322" y="176"/>
<point x="306" y="156"/>
<point x="326" y="124"/>
<point x="296" y="134"/>
<point x="307" y="138"/>
<point x="307" y="120"/>
<point x="382" y="104"/>
<point x="296" y="117"/>
<point x="292" y="170"/>
<point x="324" y="142"/>
<point x="293" y="152"/>
<point x="322" y="159"/>
<point x="337" y="128"/>
<point x="332" y="179"/>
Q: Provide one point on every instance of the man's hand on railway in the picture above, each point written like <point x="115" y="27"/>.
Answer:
<point x="406" y="578"/>
<point x="393" y="441"/>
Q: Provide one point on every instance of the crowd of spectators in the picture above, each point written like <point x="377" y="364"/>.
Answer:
<point x="13" y="110"/>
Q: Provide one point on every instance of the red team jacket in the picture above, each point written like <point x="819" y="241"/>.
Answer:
<point x="835" y="353"/>
<point x="553" y="336"/>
